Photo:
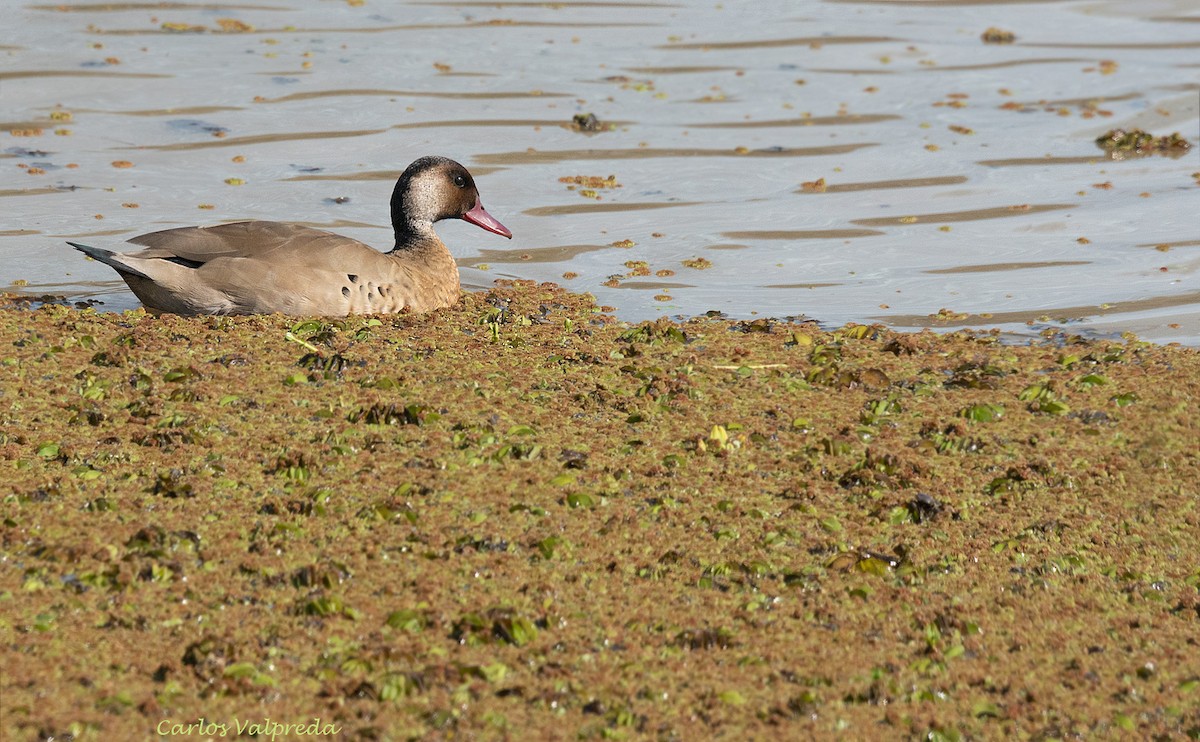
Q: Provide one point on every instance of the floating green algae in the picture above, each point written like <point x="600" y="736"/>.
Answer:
<point x="520" y="517"/>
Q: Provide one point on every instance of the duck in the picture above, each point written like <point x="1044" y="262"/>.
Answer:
<point x="263" y="267"/>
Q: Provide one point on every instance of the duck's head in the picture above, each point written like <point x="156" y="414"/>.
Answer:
<point x="435" y="188"/>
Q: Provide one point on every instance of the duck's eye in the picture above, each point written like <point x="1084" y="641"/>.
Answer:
<point x="460" y="180"/>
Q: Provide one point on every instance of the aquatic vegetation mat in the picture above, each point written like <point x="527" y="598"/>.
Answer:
<point x="519" y="517"/>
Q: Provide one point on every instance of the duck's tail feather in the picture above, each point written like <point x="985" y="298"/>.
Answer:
<point x="109" y="258"/>
<point x="99" y="253"/>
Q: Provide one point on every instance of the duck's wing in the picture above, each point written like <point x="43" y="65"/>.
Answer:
<point x="258" y="239"/>
<point x="242" y="268"/>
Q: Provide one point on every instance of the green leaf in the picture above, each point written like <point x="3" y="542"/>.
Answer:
<point x="732" y="697"/>
<point x="547" y="546"/>
<point x="1126" y="399"/>
<point x="311" y="325"/>
<point x="982" y="413"/>
<point x="581" y="500"/>
<point x="241" y="670"/>
<point x="517" y="631"/>
<point x="1055" y="407"/>
<point x="872" y="566"/>
<point x="406" y="620"/>
<point x="296" y="379"/>
<point x="395" y="686"/>
<point x="1032" y="392"/>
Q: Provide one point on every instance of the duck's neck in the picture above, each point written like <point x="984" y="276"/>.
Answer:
<point x="411" y="218"/>
<point x="413" y="237"/>
<point x="417" y="244"/>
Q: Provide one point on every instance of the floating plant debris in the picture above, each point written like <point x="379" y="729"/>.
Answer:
<point x="587" y="122"/>
<point x="1121" y="144"/>
<point x="995" y="35"/>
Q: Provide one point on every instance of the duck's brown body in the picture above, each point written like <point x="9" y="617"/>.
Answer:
<point x="262" y="267"/>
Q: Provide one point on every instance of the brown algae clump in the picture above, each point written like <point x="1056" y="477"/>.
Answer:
<point x="587" y="123"/>
<point x="520" y="517"/>
<point x="589" y="186"/>
<point x="995" y="35"/>
<point x="1121" y="144"/>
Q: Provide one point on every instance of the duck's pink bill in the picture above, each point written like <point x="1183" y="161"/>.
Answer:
<point x="480" y="218"/>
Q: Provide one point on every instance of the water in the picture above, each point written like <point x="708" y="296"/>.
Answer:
<point x="962" y="185"/>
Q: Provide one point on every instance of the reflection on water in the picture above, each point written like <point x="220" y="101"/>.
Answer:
<point x="993" y="267"/>
<point x="596" y="208"/>
<point x="801" y="234"/>
<point x="25" y="74"/>
<point x="879" y="185"/>
<point x="995" y="212"/>
<point x="258" y="139"/>
<point x="770" y="158"/>
<point x="533" y="156"/>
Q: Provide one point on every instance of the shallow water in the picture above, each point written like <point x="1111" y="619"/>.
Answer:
<point x="962" y="184"/>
